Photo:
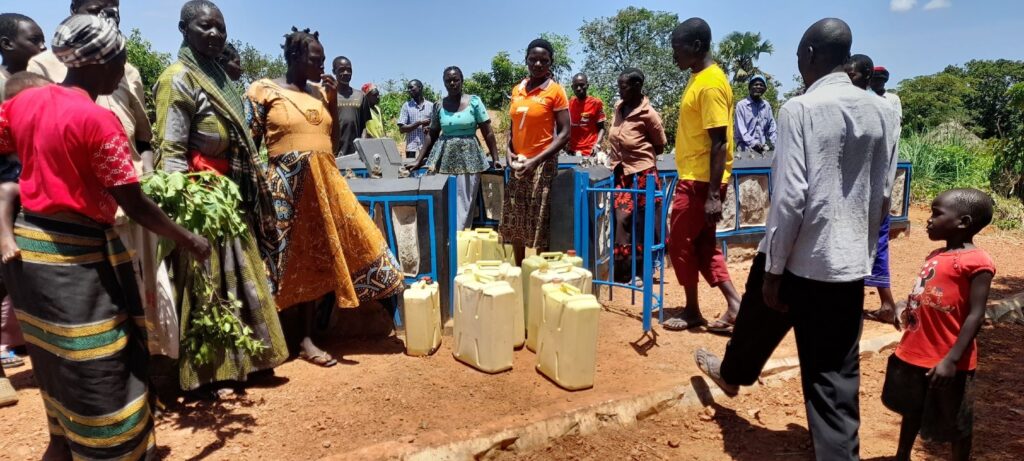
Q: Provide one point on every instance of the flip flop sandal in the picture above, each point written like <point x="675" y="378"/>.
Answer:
<point x="704" y="361"/>
<point x="322" y="359"/>
<point x="10" y="360"/>
<point x="683" y="324"/>
<point x="720" y="327"/>
<point x="879" y="315"/>
<point x="8" y="396"/>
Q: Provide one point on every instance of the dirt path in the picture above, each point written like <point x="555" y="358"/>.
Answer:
<point x="381" y="395"/>
<point x="768" y="423"/>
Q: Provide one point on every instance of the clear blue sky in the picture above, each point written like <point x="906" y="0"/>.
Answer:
<point x="418" y="39"/>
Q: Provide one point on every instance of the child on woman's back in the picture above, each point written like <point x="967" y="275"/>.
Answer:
<point x="10" y="170"/>
<point x="930" y="377"/>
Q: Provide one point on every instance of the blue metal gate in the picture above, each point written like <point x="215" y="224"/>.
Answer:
<point x="595" y="239"/>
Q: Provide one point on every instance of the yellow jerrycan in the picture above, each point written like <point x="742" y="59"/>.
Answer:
<point x="482" y="244"/>
<point x="503" y="271"/>
<point x="421" y="311"/>
<point x="569" y="274"/>
<point x="484" y="316"/>
<point x="567" y="347"/>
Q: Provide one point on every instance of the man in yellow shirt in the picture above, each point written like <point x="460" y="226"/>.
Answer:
<point x="704" y="145"/>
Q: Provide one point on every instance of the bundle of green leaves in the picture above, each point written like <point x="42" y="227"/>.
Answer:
<point x="207" y="204"/>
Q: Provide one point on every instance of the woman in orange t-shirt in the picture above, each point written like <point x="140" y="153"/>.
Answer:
<point x="540" y="129"/>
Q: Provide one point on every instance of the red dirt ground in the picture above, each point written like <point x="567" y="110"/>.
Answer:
<point x="381" y="395"/>
<point x="768" y="422"/>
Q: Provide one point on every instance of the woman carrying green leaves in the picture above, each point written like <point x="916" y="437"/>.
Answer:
<point x="201" y="126"/>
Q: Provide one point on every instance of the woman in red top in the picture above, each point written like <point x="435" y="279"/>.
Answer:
<point x="74" y="288"/>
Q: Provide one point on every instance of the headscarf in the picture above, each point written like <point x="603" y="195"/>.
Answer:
<point x="85" y="40"/>
<point x="881" y="72"/>
<point x="368" y="87"/>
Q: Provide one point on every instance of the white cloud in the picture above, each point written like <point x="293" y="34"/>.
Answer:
<point x="904" y="5"/>
<point x="938" y="4"/>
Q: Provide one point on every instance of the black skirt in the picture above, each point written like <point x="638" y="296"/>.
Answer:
<point x="946" y="413"/>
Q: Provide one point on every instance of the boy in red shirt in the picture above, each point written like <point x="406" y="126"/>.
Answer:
<point x="930" y="377"/>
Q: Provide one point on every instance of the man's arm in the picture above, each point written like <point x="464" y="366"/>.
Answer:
<point x="770" y="129"/>
<point x="789" y="191"/>
<point x="719" y="152"/>
<point x="600" y="136"/>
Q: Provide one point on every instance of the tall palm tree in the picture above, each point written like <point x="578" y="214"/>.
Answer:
<point x="738" y="52"/>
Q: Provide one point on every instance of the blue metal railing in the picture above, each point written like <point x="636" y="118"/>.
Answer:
<point x="653" y="244"/>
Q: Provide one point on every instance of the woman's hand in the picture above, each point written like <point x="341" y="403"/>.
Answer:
<point x="197" y="245"/>
<point x="331" y="85"/>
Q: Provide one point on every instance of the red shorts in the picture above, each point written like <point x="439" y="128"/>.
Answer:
<point x="691" y="241"/>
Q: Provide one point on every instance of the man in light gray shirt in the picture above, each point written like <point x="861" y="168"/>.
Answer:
<point x="832" y="174"/>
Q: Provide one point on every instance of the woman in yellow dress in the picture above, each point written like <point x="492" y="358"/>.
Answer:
<point x="328" y="244"/>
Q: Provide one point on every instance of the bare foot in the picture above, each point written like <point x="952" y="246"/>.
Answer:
<point x="9" y="250"/>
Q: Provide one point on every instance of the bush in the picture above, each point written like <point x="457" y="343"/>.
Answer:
<point x="950" y="160"/>
<point x="942" y="163"/>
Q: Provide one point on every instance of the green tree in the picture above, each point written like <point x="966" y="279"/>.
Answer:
<point x="738" y="53"/>
<point x="931" y="100"/>
<point x="640" y="38"/>
<point x="990" y="81"/>
<point x="798" y="89"/>
<point x="257" y="65"/>
<point x="495" y="87"/>
<point x="150" y="64"/>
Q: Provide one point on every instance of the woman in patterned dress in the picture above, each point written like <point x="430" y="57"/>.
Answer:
<point x="328" y="244"/>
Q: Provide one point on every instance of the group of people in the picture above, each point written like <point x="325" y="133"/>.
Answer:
<point x="835" y="157"/>
<point x="75" y="140"/>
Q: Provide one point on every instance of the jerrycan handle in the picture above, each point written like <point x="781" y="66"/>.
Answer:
<point x="484" y="231"/>
<point x="570" y="289"/>
<point x="551" y="255"/>
<point x="484" y="278"/>
<point x="488" y="264"/>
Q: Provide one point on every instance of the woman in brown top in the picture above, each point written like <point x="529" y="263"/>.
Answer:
<point x="637" y="138"/>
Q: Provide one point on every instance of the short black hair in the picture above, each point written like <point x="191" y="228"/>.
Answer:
<point x="190" y="10"/>
<point x="452" y="69"/>
<point x="416" y="81"/>
<point x="541" y="43"/>
<point x="338" y="60"/>
<point x="862" y="63"/>
<point x="9" y="24"/>
<point x="693" y="29"/>
<point x="297" y="42"/>
<point x="633" y="76"/>
<point x="974" y="203"/>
